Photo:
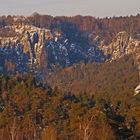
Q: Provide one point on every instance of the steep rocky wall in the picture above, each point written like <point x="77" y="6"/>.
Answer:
<point x="121" y="45"/>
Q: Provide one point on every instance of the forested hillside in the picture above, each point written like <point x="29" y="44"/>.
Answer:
<point x="106" y="28"/>
<point x="119" y="76"/>
<point x="30" y="111"/>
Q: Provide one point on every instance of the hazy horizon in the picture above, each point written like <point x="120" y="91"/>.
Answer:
<point x="97" y="8"/>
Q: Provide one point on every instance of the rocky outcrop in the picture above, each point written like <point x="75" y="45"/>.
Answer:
<point x="24" y="49"/>
<point x="122" y="45"/>
<point x="41" y="48"/>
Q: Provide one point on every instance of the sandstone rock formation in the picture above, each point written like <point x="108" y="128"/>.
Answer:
<point x="121" y="45"/>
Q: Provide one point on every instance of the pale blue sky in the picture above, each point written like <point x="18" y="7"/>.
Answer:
<point x="97" y="8"/>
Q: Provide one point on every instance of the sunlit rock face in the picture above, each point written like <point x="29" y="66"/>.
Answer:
<point x="24" y="47"/>
<point x="122" y="45"/>
<point x="33" y="39"/>
<point x="30" y="47"/>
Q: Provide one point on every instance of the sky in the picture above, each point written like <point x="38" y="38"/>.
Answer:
<point x="96" y="8"/>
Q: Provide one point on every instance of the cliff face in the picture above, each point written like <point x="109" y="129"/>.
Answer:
<point x="31" y="47"/>
<point x="24" y="48"/>
<point x="122" y="45"/>
<point x="27" y="47"/>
